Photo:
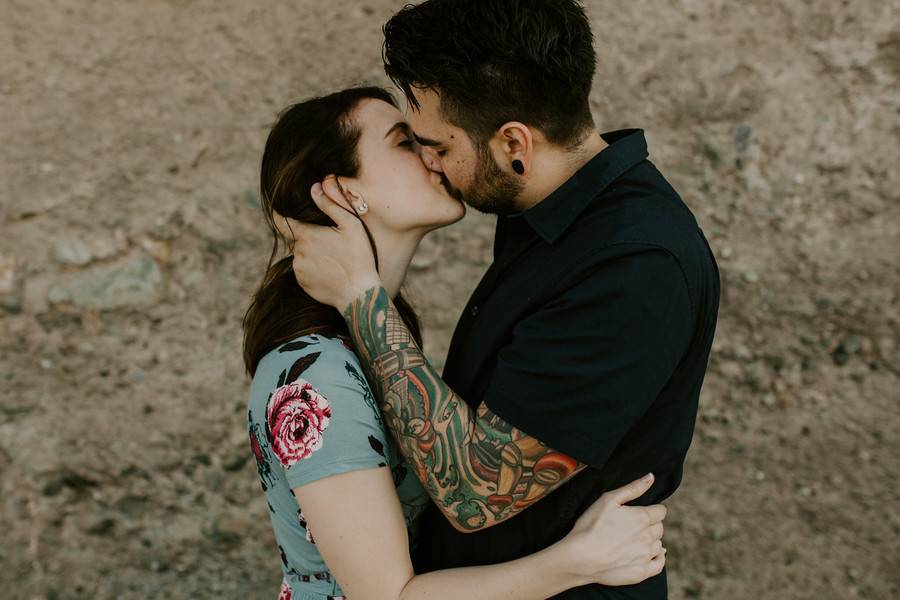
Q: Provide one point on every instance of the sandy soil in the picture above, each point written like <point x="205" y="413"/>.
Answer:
<point x="131" y="240"/>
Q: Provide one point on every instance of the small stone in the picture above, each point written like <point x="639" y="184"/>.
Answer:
<point x="840" y="356"/>
<point x="693" y="590"/>
<point x="847" y="348"/>
<point x="741" y="137"/>
<point x="132" y="281"/>
<point x="47" y="167"/>
<point x="236" y="460"/>
<point x="227" y="530"/>
<point x="80" y="251"/>
<point x="57" y="481"/>
<point x="427" y="255"/>
<point x="11" y="304"/>
<point x="834" y="158"/>
<point x="711" y="153"/>
<point x="161" y="250"/>
<point x="420" y="263"/>
<point x="852" y="344"/>
<point x="99" y="525"/>
<point x="250" y="198"/>
<point x="158" y="567"/>
<point x="726" y="252"/>
<point x="72" y="252"/>
<point x="743" y="352"/>
<point x="7" y="274"/>
<point x="46" y="364"/>
<point x="731" y="370"/>
<point x="760" y="476"/>
<point x="750" y="276"/>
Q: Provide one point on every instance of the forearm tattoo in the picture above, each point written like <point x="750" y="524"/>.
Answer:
<point x="478" y="469"/>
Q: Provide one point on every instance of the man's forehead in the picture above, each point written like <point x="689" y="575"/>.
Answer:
<point x="428" y="99"/>
<point x="423" y="126"/>
<point x="427" y="120"/>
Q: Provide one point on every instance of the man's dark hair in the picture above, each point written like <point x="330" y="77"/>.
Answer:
<point x="494" y="61"/>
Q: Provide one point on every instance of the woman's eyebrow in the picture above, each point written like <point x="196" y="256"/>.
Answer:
<point x="405" y="128"/>
<point x="398" y="126"/>
<point x="425" y="141"/>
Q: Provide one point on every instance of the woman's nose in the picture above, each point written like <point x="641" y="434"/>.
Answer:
<point x="431" y="159"/>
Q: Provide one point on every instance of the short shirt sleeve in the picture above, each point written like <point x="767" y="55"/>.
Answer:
<point x="321" y="418"/>
<point x="581" y="371"/>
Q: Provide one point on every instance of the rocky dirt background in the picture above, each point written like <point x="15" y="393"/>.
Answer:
<point x="131" y="240"/>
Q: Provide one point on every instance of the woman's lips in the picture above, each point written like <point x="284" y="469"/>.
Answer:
<point x="441" y="180"/>
<point x="438" y="179"/>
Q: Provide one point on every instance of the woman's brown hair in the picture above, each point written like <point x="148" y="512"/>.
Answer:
<point x="310" y="140"/>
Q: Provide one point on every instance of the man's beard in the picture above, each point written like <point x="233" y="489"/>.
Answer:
<point x="492" y="191"/>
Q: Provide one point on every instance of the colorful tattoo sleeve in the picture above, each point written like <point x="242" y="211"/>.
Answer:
<point x="478" y="469"/>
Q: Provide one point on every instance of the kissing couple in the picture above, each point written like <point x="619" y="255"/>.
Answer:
<point x="534" y="466"/>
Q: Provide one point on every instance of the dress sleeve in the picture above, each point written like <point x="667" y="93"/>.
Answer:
<point x="581" y="371"/>
<point x="322" y="419"/>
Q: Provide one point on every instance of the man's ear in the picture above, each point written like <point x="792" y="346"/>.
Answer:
<point x="515" y="142"/>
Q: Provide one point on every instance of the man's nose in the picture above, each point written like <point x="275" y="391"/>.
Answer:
<point x="431" y="159"/>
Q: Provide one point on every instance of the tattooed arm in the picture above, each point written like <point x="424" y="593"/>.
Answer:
<point x="479" y="469"/>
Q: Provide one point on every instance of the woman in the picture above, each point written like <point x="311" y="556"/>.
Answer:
<point x="342" y="503"/>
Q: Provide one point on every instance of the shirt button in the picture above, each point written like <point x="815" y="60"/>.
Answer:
<point x="474" y="311"/>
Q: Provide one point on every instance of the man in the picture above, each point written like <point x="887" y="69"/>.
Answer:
<point x="577" y="364"/>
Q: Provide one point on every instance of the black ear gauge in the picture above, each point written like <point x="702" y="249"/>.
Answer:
<point x="518" y="167"/>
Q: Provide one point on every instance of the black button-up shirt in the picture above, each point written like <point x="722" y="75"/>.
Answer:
<point x="591" y="332"/>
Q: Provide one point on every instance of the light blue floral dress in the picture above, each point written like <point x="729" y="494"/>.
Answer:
<point x="312" y="414"/>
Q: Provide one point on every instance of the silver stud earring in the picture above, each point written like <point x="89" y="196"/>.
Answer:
<point x="361" y="206"/>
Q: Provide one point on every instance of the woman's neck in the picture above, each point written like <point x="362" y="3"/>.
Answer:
<point x="395" y="252"/>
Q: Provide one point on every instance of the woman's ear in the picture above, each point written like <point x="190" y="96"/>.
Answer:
<point x="343" y="196"/>
<point x="355" y="200"/>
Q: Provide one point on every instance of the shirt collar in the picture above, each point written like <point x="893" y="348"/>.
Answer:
<point x="551" y="217"/>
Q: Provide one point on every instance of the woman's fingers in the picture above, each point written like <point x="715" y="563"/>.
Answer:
<point x="286" y="227"/>
<point x="656" y="513"/>
<point x="631" y="491"/>
<point x="648" y="515"/>
<point x="655" y="566"/>
<point x="328" y="197"/>
<point x="331" y="200"/>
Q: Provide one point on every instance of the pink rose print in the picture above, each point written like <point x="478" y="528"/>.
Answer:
<point x="297" y="415"/>
<point x="286" y="592"/>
